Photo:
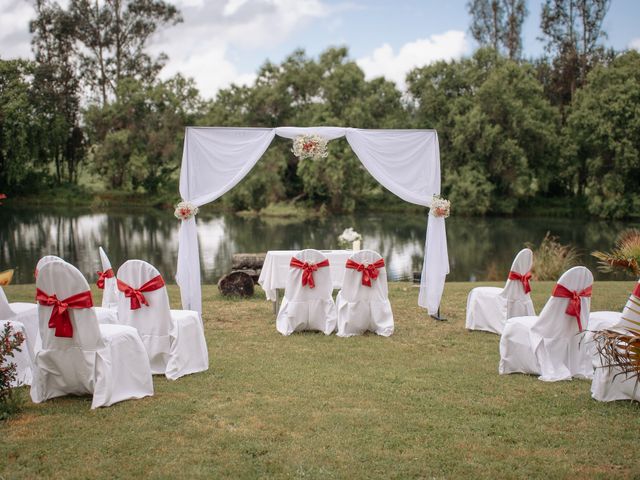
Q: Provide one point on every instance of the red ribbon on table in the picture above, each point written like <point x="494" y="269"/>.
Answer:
<point x="102" y="276"/>
<point x="368" y="271"/>
<point x="60" y="319"/>
<point x="573" y="309"/>
<point x="308" y="269"/>
<point x="636" y="291"/>
<point x="136" y="294"/>
<point x="525" y="279"/>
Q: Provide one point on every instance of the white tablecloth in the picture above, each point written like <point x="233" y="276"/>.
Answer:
<point x="276" y="268"/>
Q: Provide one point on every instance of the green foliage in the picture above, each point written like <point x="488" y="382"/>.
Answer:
<point x="9" y="343"/>
<point x="602" y="138"/>
<point x="624" y="256"/>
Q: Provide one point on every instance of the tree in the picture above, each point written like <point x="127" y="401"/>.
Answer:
<point x="572" y="30"/>
<point x="602" y="138"/>
<point x="498" y="24"/>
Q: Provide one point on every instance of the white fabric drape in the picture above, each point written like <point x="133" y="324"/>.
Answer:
<point x="406" y="162"/>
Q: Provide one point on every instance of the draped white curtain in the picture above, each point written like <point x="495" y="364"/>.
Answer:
<point x="406" y="162"/>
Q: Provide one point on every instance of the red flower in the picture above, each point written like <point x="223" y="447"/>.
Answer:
<point x="2" y="197"/>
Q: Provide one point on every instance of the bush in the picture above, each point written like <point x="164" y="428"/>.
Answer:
<point x="625" y="255"/>
<point x="551" y="259"/>
<point x="9" y="343"/>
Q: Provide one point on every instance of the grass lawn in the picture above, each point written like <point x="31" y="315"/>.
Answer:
<point x="426" y="403"/>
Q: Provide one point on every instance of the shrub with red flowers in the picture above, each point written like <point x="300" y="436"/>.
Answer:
<point x="9" y="343"/>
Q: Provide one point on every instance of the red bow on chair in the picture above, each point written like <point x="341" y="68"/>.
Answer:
<point x="136" y="295"/>
<point x="523" y="278"/>
<point x="368" y="272"/>
<point x="60" y="314"/>
<point x="308" y="269"/>
<point x="636" y="291"/>
<point x="573" y="309"/>
<point x="102" y="276"/>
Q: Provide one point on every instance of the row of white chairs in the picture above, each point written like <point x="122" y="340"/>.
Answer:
<point x="559" y="343"/>
<point x="111" y="351"/>
<point x="361" y="305"/>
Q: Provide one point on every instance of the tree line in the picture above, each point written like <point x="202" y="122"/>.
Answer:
<point x="515" y="133"/>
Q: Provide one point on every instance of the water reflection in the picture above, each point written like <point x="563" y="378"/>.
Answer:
<point x="479" y="248"/>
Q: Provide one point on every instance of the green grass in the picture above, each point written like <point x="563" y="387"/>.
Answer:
<point x="426" y="403"/>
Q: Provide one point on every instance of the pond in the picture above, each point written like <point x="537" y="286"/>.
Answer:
<point x="479" y="248"/>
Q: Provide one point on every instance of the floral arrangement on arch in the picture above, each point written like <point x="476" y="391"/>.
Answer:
<point x="347" y="238"/>
<point x="440" y="207"/>
<point x="310" y="146"/>
<point x="185" y="210"/>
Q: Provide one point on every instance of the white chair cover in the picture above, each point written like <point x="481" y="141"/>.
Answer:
<point x="105" y="315"/>
<point x="362" y="308"/>
<point x="550" y="345"/>
<point x="27" y="315"/>
<point x="609" y="383"/>
<point x="488" y="308"/>
<point x="174" y="339"/>
<point x="110" y="291"/>
<point x="107" y="361"/>
<point x="305" y="308"/>
<point x="23" y="358"/>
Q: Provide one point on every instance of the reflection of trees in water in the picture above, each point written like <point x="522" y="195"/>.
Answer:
<point x="477" y="246"/>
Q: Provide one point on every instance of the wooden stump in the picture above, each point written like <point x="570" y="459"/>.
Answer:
<point x="236" y="283"/>
<point x="247" y="261"/>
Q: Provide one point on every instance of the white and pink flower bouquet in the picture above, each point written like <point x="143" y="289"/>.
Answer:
<point x="185" y="210"/>
<point x="440" y="207"/>
<point x="310" y="146"/>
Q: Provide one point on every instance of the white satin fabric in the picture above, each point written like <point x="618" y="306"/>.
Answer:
<point x="488" y="308"/>
<point x="362" y="308"/>
<point x="106" y="361"/>
<point x="105" y="315"/>
<point x="550" y="345"/>
<point x="27" y="315"/>
<point x="610" y="384"/>
<point x="174" y="339"/>
<point x="407" y="162"/>
<point x="275" y="269"/>
<point x="110" y="291"/>
<point x="305" y="308"/>
<point x="23" y="358"/>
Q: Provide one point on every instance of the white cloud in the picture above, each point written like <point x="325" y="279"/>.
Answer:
<point x="15" y="39"/>
<point x="384" y="62"/>
<point x="635" y="44"/>
<point x="199" y="47"/>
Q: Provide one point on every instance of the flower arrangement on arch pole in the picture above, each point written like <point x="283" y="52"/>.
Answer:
<point x="440" y="207"/>
<point x="310" y="146"/>
<point x="350" y="239"/>
<point x="185" y="210"/>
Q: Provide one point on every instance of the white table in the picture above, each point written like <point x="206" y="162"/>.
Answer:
<point x="276" y="269"/>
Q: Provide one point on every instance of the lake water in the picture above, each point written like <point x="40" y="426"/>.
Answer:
<point x="479" y="248"/>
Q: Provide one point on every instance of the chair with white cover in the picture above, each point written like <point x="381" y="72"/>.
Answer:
<point x="363" y="302"/>
<point x="105" y="315"/>
<point x="551" y="345"/>
<point x="174" y="339"/>
<point x="22" y="358"/>
<point x="488" y="308"/>
<point x="27" y="315"/>
<point x="610" y="383"/>
<point x="307" y="302"/>
<point x="107" y="283"/>
<point x="79" y="356"/>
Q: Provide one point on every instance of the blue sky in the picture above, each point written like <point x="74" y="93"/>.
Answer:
<point x="225" y="41"/>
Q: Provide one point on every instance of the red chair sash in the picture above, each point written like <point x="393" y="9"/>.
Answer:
<point x="60" y="319"/>
<point x="369" y="272"/>
<point x="136" y="294"/>
<point x="308" y="269"/>
<point x="574" y="308"/>
<point x="525" y="279"/>
<point x="102" y="276"/>
<point x="636" y="291"/>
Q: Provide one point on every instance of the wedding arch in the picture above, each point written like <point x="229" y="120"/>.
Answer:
<point x="406" y="162"/>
